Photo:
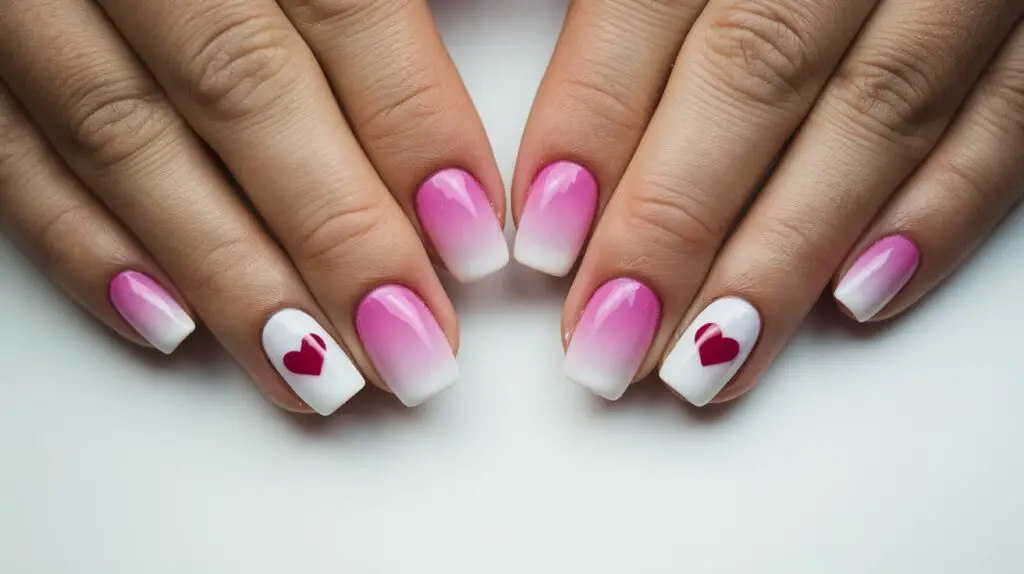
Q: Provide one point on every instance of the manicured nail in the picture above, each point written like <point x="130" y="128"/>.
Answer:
<point x="405" y="343"/>
<point x="151" y="310"/>
<point x="878" y="276"/>
<point x="712" y="350"/>
<point x="613" y="337"/>
<point x="559" y="210"/>
<point x="310" y="361"/>
<point x="461" y="224"/>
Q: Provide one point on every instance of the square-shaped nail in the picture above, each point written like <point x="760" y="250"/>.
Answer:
<point x="877" y="276"/>
<point x="462" y="225"/>
<point x="310" y="361"/>
<point x="612" y="337"/>
<point x="405" y="343"/>
<point x="556" y="219"/>
<point x="712" y="350"/>
<point x="150" y="310"/>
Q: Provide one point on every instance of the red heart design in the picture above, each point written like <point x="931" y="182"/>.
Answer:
<point x="309" y="359"/>
<point x="715" y="348"/>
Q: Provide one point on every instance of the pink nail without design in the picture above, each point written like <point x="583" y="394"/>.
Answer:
<point x="405" y="343"/>
<point x="879" y="274"/>
<point x="559" y="211"/>
<point x="613" y="337"/>
<point x="461" y="224"/>
<point x="151" y="310"/>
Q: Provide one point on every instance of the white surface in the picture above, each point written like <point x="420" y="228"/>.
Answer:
<point x="891" y="450"/>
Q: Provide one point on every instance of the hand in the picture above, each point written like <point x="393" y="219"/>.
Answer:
<point x="120" y="122"/>
<point x="898" y="131"/>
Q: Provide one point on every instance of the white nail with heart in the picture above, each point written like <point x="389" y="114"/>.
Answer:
<point x="712" y="350"/>
<point x="310" y="361"/>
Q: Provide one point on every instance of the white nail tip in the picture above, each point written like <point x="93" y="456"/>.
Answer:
<point x="712" y="350"/>
<point x="310" y="361"/>
<point x="554" y="262"/>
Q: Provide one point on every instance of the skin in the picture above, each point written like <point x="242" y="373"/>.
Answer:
<point x="124" y="104"/>
<point x="891" y="116"/>
<point x="129" y="132"/>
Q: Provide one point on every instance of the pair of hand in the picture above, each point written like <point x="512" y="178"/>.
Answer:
<point x="287" y="170"/>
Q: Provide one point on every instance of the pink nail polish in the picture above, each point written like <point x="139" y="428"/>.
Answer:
<point x="461" y="224"/>
<point x="151" y="310"/>
<point x="879" y="274"/>
<point x="405" y="343"/>
<point x="613" y="337"/>
<point x="558" y="214"/>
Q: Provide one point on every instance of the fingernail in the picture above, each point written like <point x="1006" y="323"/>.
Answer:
<point x="613" y="337"/>
<point x="151" y="310"/>
<point x="712" y="350"/>
<point x="878" y="276"/>
<point x="310" y="361"/>
<point x="461" y="224"/>
<point x="559" y="211"/>
<point x="405" y="343"/>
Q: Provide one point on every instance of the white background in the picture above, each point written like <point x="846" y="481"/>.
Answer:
<point x="865" y="450"/>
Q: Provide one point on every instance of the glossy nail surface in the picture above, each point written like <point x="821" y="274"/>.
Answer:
<point x="150" y="310"/>
<point x="556" y="219"/>
<point x="461" y="224"/>
<point x="405" y="343"/>
<point x="310" y="361"/>
<point x="712" y="350"/>
<point x="613" y="337"/>
<point x="879" y="274"/>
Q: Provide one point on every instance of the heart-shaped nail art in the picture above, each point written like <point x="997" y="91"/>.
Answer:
<point x="309" y="359"/>
<point x="714" y="347"/>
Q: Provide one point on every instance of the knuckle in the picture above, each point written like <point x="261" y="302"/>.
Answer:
<point x="114" y="120"/>
<point x="420" y="108"/>
<point x="892" y="94"/>
<point x="787" y="239"/>
<point x="56" y="246"/>
<point x="243" y="67"/>
<point x="218" y="264"/>
<point x="603" y="95"/>
<point x="332" y="13"/>
<point x="326" y="238"/>
<point x="668" y="214"/>
<point x="759" y="51"/>
<point x="1003" y="97"/>
<point x="974" y="193"/>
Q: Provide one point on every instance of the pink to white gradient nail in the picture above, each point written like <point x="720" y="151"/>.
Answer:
<point x="878" y="276"/>
<point x="405" y="343"/>
<point x="461" y="224"/>
<point x="559" y="211"/>
<point x="613" y="337"/>
<point x="151" y="310"/>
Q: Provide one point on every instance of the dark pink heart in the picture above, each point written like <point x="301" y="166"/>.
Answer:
<point x="309" y="359"/>
<point x="714" y="347"/>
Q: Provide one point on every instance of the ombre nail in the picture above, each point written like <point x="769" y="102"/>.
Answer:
<point x="613" y="337"/>
<point x="461" y="224"/>
<point x="879" y="274"/>
<point x="151" y="310"/>
<point x="405" y="344"/>
<point x="559" y="211"/>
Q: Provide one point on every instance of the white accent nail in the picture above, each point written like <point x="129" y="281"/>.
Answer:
<point x="310" y="361"/>
<point x="712" y="350"/>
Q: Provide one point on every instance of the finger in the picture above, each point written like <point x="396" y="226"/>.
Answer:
<point x="116" y="130"/>
<point x="879" y="117"/>
<point x="248" y="84"/>
<point x="78" y="243"/>
<point x="597" y="96"/>
<point x="407" y="105"/>
<point x="948" y="207"/>
<point x="745" y="78"/>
